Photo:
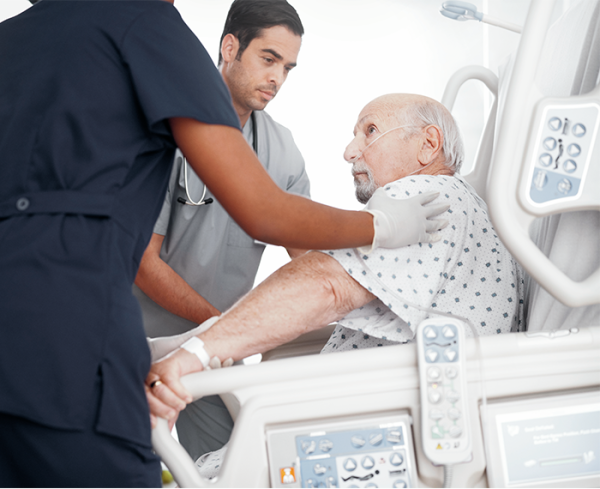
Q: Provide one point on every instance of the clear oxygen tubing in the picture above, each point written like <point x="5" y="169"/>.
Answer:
<point x="360" y="154"/>
<point x="447" y="469"/>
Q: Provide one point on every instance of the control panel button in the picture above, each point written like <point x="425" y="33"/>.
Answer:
<point x="453" y="414"/>
<point x="451" y="372"/>
<point x="452" y="396"/>
<point x="311" y="483"/>
<point x="396" y="459"/>
<point x="358" y="441"/>
<point x="437" y="432"/>
<point x="436" y="414"/>
<point x="550" y="144"/>
<point x="569" y="166"/>
<point x="448" y="332"/>
<point x="455" y="431"/>
<point x="308" y="446"/>
<point x="394" y="437"/>
<point x="579" y="130"/>
<point x="434" y="396"/>
<point x="546" y="159"/>
<point x="331" y="482"/>
<point x="431" y="355"/>
<point x="400" y="483"/>
<point x="433" y="374"/>
<point x="319" y="469"/>
<point x="375" y="439"/>
<point x="325" y="445"/>
<point x="540" y="180"/>
<point x="368" y="462"/>
<point x="574" y="150"/>
<point x="565" y="186"/>
<point x="450" y="354"/>
<point x="349" y="464"/>
<point x="555" y="124"/>
<point x="430" y="333"/>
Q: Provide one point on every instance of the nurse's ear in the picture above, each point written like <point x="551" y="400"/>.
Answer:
<point x="229" y="48"/>
<point x="432" y="141"/>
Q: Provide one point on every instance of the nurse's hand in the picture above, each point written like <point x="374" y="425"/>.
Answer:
<point x="400" y="222"/>
<point x="166" y="394"/>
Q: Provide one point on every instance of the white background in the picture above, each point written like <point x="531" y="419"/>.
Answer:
<point x="354" y="51"/>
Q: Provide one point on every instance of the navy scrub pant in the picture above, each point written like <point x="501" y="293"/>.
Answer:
<point x="32" y="455"/>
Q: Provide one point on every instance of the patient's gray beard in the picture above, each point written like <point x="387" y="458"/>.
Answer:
<point x="364" y="190"/>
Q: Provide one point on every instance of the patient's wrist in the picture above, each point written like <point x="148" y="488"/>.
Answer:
<point x="195" y="346"/>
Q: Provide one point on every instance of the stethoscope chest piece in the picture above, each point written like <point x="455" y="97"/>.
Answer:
<point x="210" y="200"/>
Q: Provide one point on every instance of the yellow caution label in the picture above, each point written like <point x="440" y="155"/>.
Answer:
<point x="439" y="447"/>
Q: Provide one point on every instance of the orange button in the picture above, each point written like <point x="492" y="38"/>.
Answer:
<point x="287" y="475"/>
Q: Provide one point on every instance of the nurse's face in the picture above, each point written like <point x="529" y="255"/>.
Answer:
<point x="255" y="77"/>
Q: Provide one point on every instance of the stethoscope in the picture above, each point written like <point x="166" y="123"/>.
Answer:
<point x="210" y="200"/>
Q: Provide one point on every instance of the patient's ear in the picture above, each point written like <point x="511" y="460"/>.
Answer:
<point x="229" y="48"/>
<point x="431" y="146"/>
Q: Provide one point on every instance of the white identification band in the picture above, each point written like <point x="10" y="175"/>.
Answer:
<point x="196" y="346"/>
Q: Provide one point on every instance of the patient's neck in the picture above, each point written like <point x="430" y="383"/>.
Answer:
<point x="438" y="168"/>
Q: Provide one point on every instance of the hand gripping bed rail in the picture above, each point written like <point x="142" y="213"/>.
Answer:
<point x="368" y="382"/>
<point x="477" y="178"/>
<point x="546" y="161"/>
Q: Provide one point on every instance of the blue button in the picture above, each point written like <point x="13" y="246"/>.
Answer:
<point x="555" y="123"/>
<point x="550" y="144"/>
<point x="565" y="186"/>
<point x="579" y="130"/>
<point x="574" y="150"/>
<point x="569" y="166"/>
<point x="540" y="180"/>
<point x="545" y="159"/>
<point x="23" y="204"/>
<point x="325" y="445"/>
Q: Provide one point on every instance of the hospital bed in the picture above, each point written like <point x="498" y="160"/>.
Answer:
<point x="533" y="397"/>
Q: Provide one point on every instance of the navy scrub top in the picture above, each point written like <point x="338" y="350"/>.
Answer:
<point x="86" y="89"/>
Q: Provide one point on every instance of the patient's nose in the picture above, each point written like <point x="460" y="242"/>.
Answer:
<point x="352" y="151"/>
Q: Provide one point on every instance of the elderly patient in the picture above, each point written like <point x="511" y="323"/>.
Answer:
<point x="403" y="145"/>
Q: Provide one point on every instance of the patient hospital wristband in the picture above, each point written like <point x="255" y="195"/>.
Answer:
<point x="196" y="346"/>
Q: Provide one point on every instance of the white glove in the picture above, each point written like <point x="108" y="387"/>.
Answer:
<point x="401" y="222"/>
<point x="164" y="345"/>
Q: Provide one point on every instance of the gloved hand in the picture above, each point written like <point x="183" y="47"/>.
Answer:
<point x="401" y="222"/>
<point x="163" y="345"/>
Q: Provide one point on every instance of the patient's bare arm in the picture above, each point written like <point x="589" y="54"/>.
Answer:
<point x="308" y="293"/>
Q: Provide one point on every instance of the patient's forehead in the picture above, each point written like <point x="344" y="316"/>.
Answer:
<point x="376" y="113"/>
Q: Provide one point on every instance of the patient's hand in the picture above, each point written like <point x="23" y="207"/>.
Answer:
<point x="167" y="396"/>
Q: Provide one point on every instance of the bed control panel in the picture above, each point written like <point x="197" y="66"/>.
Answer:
<point x="374" y="451"/>
<point x="562" y="152"/>
<point x="442" y="371"/>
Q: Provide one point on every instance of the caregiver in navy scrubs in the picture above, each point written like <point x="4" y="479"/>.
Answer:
<point x="95" y="96"/>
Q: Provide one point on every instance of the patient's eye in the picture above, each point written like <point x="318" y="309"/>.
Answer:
<point x="371" y="129"/>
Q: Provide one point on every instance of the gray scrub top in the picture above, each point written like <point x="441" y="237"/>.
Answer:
<point x="204" y="245"/>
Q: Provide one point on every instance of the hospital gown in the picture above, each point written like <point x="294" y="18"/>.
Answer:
<point x="468" y="273"/>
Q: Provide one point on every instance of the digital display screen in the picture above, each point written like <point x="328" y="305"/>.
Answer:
<point x="550" y="444"/>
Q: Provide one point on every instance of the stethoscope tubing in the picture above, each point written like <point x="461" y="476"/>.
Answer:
<point x="189" y="200"/>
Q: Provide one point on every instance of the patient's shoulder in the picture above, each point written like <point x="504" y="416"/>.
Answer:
<point x="417" y="184"/>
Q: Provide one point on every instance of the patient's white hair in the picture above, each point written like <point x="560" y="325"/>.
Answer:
<point x="425" y="112"/>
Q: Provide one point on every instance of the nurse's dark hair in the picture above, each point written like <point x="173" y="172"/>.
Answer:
<point x="247" y="18"/>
